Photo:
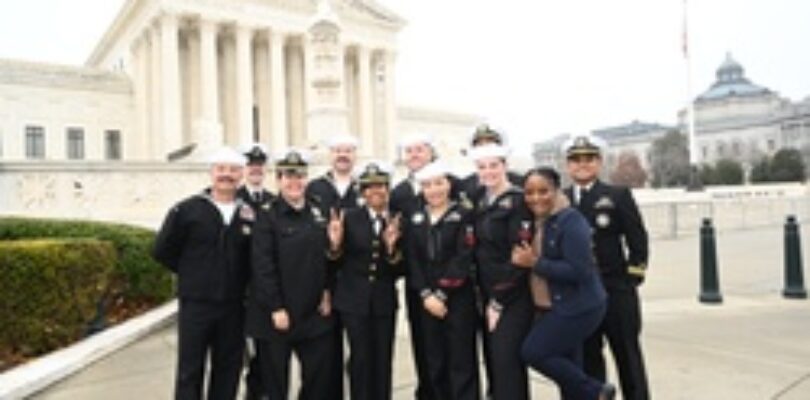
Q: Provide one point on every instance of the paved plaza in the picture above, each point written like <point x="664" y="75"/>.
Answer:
<point x="755" y="345"/>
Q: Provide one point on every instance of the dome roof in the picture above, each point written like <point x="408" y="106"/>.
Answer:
<point x="731" y="81"/>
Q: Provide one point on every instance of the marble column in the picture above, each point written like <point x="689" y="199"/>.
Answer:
<point x="244" y="84"/>
<point x="365" y="108"/>
<point x="139" y="146"/>
<point x="386" y="148"/>
<point x="208" y="127"/>
<point x="278" y="94"/>
<point x="170" y="84"/>
<point x="155" y="99"/>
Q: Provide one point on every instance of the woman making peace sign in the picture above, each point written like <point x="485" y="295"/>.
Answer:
<point x="365" y="294"/>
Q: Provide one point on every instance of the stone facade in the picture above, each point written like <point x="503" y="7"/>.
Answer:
<point x="176" y="78"/>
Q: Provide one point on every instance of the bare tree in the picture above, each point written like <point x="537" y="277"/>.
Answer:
<point x="628" y="171"/>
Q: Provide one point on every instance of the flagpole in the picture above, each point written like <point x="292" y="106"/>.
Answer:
<point x="694" y="175"/>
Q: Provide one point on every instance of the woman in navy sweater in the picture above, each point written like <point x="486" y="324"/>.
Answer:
<point x="565" y="260"/>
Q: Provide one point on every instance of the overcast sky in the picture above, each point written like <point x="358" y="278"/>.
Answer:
<point x="535" y="68"/>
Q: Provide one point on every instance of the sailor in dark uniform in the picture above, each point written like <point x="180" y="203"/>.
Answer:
<point x="365" y="291"/>
<point x="502" y="223"/>
<point x="470" y="191"/>
<point x="254" y="194"/>
<point x="253" y="191"/>
<point x="205" y="240"/>
<point x="290" y="305"/>
<point x="337" y="190"/>
<point x="615" y="219"/>
<point x="439" y="256"/>
<point x="417" y="151"/>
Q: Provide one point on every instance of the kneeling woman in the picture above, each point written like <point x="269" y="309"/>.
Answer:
<point x="565" y="260"/>
<point x="440" y="252"/>
<point x="365" y="294"/>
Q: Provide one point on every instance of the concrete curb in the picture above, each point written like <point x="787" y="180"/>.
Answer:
<point x="36" y="375"/>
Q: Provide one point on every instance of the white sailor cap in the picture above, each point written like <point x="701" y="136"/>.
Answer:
<point x="415" y="138"/>
<point x="433" y="170"/>
<point x="489" y="150"/>
<point x="343" y="139"/>
<point x="584" y="145"/>
<point x="228" y="156"/>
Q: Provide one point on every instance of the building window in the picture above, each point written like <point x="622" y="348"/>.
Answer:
<point x="112" y="145"/>
<point x="771" y="145"/>
<point x="75" y="144"/>
<point x="34" y="142"/>
<point x="735" y="148"/>
<point x="705" y="150"/>
<point x="721" y="150"/>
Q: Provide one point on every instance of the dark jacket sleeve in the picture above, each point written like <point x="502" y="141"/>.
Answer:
<point x="416" y="274"/>
<point x="510" y="275"/>
<point x="170" y="239"/>
<point x="577" y="257"/>
<point x="266" y="279"/>
<point x="635" y="235"/>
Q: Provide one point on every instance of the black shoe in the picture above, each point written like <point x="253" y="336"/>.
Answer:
<point x="608" y="392"/>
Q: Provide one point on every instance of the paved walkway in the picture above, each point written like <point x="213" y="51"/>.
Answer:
<point x="755" y="345"/>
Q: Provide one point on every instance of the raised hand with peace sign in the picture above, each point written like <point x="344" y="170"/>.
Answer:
<point x="392" y="232"/>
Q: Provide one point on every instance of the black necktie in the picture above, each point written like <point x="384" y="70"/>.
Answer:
<point x="257" y="197"/>
<point x="583" y="191"/>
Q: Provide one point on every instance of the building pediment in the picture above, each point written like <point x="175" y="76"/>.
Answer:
<point x="135" y="14"/>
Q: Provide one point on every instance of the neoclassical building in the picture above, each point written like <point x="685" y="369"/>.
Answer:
<point x="734" y="118"/>
<point x="171" y="79"/>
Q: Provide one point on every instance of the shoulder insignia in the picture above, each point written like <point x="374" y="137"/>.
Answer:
<point x="316" y="214"/>
<point x="418" y="218"/>
<point x="505" y="203"/>
<point x="465" y="201"/>
<point x="604" y="202"/>
<point x="454" y="216"/>
<point x="246" y="213"/>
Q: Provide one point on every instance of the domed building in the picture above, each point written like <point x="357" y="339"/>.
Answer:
<point x="736" y="118"/>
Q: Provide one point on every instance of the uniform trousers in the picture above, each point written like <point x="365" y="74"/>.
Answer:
<point x="554" y="348"/>
<point x="209" y="329"/>
<point x="622" y="328"/>
<point x="315" y="357"/>
<point x="415" y="321"/>
<point x="450" y="349"/>
<point x="371" y="349"/>
<point x="510" y="379"/>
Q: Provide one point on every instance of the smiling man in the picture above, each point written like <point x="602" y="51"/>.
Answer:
<point x="205" y="240"/>
<point x="621" y="251"/>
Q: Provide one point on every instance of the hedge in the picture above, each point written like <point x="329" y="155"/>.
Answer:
<point x="137" y="276"/>
<point x="49" y="290"/>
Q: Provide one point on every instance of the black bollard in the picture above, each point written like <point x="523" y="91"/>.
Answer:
<point x="709" y="281"/>
<point x="794" y="279"/>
